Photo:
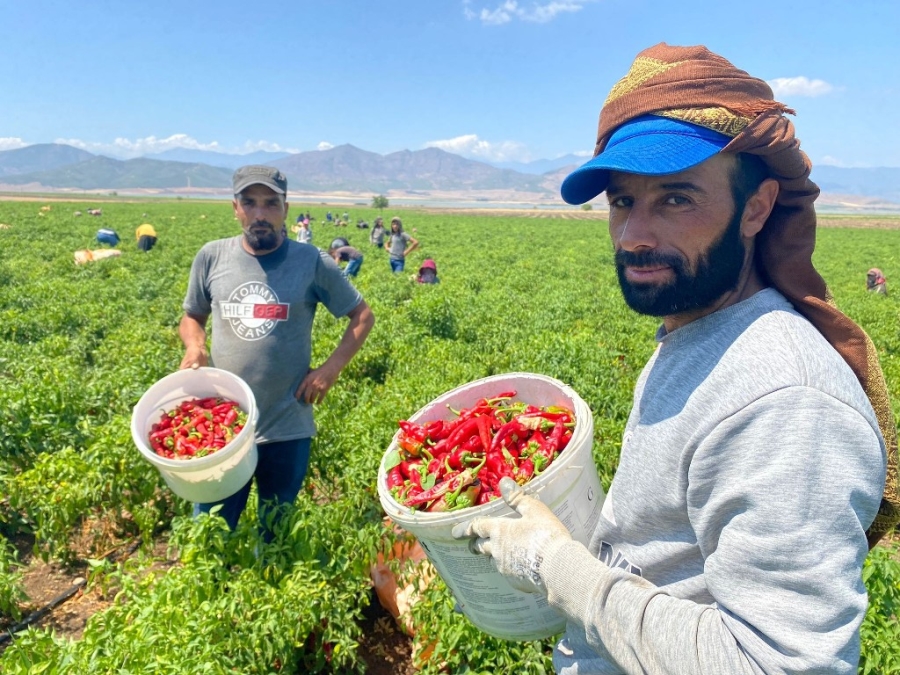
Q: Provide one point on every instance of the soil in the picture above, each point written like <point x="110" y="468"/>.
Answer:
<point x="384" y="648"/>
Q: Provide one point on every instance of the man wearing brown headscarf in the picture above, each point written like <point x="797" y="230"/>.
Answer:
<point x="752" y="476"/>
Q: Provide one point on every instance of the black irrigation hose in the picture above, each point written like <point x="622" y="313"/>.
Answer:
<point x="9" y="633"/>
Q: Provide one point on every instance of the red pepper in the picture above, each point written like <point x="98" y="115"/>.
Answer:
<point x="495" y="464"/>
<point x="413" y="431"/>
<point x="455" y="459"/>
<point x="487" y="496"/>
<point x="436" y="430"/>
<point x="504" y="395"/>
<point x="395" y="478"/>
<point x="552" y="417"/>
<point x="506" y="431"/>
<point x="462" y="498"/>
<point x="548" y="449"/>
<point x="484" y="430"/>
<point x="524" y="472"/>
<point x="450" y="483"/>
<point x="460" y="434"/>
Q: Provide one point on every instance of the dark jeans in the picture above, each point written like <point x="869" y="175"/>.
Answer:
<point x="146" y="242"/>
<point x="353" y="266"/>
<point x="279" y="475"/>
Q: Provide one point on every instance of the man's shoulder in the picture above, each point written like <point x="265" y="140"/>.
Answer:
<point x="218" y="245"/>
<point x="780" y="347"/>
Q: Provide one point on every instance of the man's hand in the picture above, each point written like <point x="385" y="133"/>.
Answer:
<point x="517" y="546"/>
<point x="194" y="357"/>
<point x="316" y="384"/>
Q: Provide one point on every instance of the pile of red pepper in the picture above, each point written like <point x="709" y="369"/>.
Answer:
<point x="449" y="465"/>
<point x="197" y="428"/>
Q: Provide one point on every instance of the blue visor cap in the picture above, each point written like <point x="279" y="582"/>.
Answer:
<point x="648" y="145"/>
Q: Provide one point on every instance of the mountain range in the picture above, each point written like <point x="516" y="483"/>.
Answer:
<point x="347" y="168"/>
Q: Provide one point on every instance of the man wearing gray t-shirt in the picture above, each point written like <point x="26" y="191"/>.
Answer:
<point x="262" y="291"/>
<point x="751" y="479"/>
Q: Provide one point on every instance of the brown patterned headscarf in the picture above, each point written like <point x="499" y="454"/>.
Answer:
<point x="694" y="85"/>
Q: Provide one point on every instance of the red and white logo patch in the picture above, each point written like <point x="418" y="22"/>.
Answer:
<point x="253" y="310"/>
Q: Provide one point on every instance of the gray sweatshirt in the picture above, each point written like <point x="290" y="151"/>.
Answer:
<point x="733" y="534"/>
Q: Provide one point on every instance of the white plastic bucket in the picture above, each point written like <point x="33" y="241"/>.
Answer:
<point x="216" y="476"/>
<point x="570" y="487"/>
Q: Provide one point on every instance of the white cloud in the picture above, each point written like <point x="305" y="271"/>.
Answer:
<point x="583" y="153"/>
<point x="126" y="148"/>
<point x="508" y="10"/>
<point x="829" y="160"/>
<point x="799" y="86"/>
<point x="11" y="143"/>
<point x="473" y="147"/>
<point x="268" y="146"/>
<point x="324" y="145"/>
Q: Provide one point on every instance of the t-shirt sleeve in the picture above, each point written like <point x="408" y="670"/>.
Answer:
<point x="779" y="495"/>
<point x="198" y="300"/>
<point x="333" y="289"/>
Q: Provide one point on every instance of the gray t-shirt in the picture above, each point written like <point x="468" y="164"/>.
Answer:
<point x="733" y="534"/>
<point x="262" y="311"/>
<point x="397" y="245"/>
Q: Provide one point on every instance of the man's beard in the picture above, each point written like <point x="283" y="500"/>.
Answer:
<point x="261" y="241"/>
<point x="718" y="271"/>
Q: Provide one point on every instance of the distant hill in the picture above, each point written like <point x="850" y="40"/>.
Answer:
<point x="39" y="157"/>
<point x="542" y="166"/>
<point x="105" y="173"/>
<point x="347" y="167"/>
<point x="220" y="159"/>
<point x="882" y="183"/>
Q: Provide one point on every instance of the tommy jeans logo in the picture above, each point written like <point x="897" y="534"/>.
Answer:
<point x="253" y="310"/>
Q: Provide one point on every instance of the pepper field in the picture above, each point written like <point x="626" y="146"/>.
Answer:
<point x="80" y="344"/>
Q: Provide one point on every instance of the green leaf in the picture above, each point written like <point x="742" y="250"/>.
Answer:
<point x="392" y="459"/>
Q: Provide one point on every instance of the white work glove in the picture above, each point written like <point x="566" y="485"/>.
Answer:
<point x="517" y="546"/>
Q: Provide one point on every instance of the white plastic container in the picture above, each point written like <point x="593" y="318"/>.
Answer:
<point x="570" y="487"/>
<point x="216" y="476"/>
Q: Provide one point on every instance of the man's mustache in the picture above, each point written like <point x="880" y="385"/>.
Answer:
<point x="647" y="259"/>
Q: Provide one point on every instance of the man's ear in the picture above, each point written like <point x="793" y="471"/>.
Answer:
<point x="758" y="208"/>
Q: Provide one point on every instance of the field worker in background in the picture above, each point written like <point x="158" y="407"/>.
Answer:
<point x="107" y="236"/>
<point x="376" y="236"/>
<point x="282" y="283"/>
<point x="875" y="281"/>
<point x="350" y="255"/>
<point x="428" y="273"/>
<point x="400" y="245"/>
<point x="301" y="229"/>
<point x="753" y="463"/>
<point x="146" y="237"/>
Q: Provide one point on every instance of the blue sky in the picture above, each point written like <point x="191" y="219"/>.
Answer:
<point x="488" y="79"/>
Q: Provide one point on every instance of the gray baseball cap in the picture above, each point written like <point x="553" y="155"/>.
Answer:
<point x="256" y="174"/>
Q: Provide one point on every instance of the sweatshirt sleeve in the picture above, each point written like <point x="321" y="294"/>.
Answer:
<point x="779" y="495"/>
